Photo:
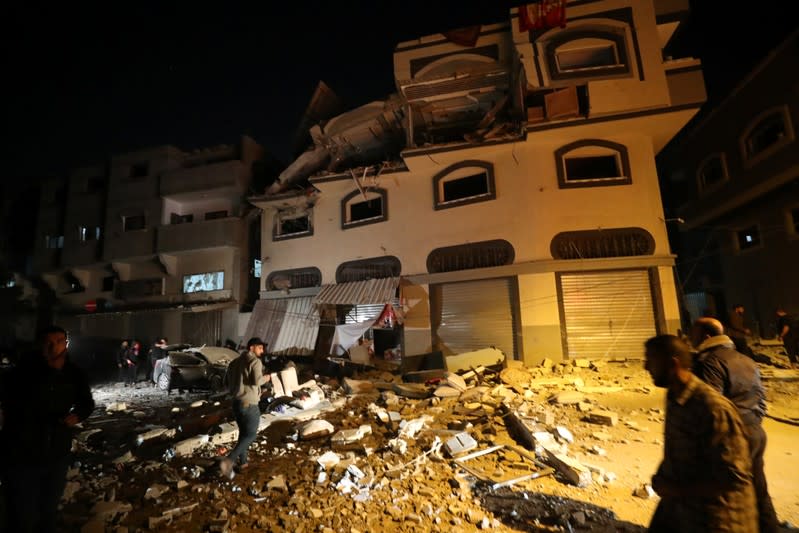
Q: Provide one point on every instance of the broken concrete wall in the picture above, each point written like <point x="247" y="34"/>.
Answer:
<point x="541" y="332"/>
<point x="416" y="306"/>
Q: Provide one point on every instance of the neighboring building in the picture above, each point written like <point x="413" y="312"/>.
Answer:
<point x="521" y="210"/>
<point x="155" y="243"/>
<point x="735" y="177"/>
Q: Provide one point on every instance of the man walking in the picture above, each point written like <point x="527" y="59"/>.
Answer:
<point x="737" y="377"/>
<point x="788" y="333"/>
<point x="704" y="481"/>
<point x="42" y="401"/>
<point x="244" y="378"/>
<point x="738" y="331"/>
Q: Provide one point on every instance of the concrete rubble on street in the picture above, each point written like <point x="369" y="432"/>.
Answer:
<point x="551" y="448"/>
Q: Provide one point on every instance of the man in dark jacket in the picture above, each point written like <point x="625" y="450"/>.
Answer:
<point x="737" y="377"/>
<point x="42" y="401"/>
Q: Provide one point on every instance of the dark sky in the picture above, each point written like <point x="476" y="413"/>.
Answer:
<point x="86" y="83"/>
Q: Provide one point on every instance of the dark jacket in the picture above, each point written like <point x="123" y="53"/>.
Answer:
<point x="734" y="375"/>
<point x="35" y="400"/>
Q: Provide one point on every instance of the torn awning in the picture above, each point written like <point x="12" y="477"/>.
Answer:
<point x="289" y="326"/>
<point x="371" y="291"/>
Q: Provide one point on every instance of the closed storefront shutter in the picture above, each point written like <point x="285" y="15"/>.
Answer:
<point x="475" y="315"/>
<point x="202" y="328"/>
<point x="607" y="314"/>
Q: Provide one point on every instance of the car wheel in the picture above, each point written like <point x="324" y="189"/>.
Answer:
<point x="163" y="381"/>
<point x="216" y="383"/>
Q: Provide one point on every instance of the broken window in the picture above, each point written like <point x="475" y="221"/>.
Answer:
<point x="175" y="218"/>
<point x="592" y="163"/>
<point x="367" y="207"/>
<point x="591" y="244"/>
<point x="133" y="223"/>
<point x="207" y="281"/>
<point x="748" y="238"/>
<point x="712" y="171"/>
<point x="295" y="278"/>
<point x="588" y="53"/>
<point x="596" y="55"/>
<point x="373" y="268"/>
<point x="464" y="183"/>
<point x="770" y="131"/>
<point x="468" y="256"/>
<point x="292" y="225"/>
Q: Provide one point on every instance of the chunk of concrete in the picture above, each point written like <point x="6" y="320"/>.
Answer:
<point x="582" y="363"/>
<point x="460" y="443"/>
<point x="155" y="491"/>
<point x="456" y="382"/>
<point x="346" y="436"/>
<point x="567" y="397"/>
<point x="644" y="491"/>
<point x="277" y="483"/>
<point x="355" y="386"/>
<point x="315" y="429"/>
<point x="289" y="379"/>
<point x="116" y="407"/>
<point x="187" y="446"/>
<point x="605" y="418"/>
<point x="411" y="390"/>
<point x="445" y="391"/>
<point x="570" y="468"/>
<point x="328" y="460"/>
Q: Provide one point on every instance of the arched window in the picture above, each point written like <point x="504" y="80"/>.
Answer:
<point x="463" y="183"/>
<point x="712" y="171"/>
<point x="767" y="133"/>
<point x="295" y="278"/>
<point x="360" y="209"/>
<point x="591" y="244"/>
<point x="587" y="51"/>
<point x="468" y="256"/>
<point x="592" y="163"/>
<point x="387" y="266"/>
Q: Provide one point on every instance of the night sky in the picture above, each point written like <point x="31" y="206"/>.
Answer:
<point x="87" y="83"/>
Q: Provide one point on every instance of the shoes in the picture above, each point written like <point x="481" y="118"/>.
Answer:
<point x="226" y="468"/>
<point x="242" y="467"/>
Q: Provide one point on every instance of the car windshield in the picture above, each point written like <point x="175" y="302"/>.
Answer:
<point x="216" y="355"/>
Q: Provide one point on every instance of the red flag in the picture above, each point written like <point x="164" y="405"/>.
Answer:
<point x="542" y="15"/>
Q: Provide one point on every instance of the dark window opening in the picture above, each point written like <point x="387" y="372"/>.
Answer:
<point x="468" y="256"/>
<point x="373" y="268"/>
<point x="295" y="225"/>
<point x="585" y="58"/>
<point x="73" y="283"/>
<point x="89" y="233"/>
<point x="591" y="244"/>
<point x="95" y="184"/>
<point x="138" y="288"/>
<point x="213" y="215"/>
<point x="181" y="219"/>
<point x="592" y="168"/>
<point x="296" y="278"/>
<point x="768" y="132"/>
<point x="133" y="223"/>
<point x="712" y="172"/>
<point x="748" y="238"/>
<point x="466" y="187"/>
<point x="365" y="210"/>
<point x="108" y="283"/>
<point x="795" y="219"/>
<point x="139" y="170"/>
<point x="54" y="241"/>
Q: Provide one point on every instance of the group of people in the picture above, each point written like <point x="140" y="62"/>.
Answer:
<point x="131" y="357"/>
<point x="787" y="332"/>
<point x="712" y="476"/>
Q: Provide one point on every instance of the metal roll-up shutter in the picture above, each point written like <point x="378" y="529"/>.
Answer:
<point x="476" y="315"/>
<point x="607" y="314"/>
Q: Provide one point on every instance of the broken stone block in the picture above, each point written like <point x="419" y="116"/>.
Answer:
<point x="570" y="468"/>
<point x="122" y="459"/>
<point x="582" y="363"/>
<point x="154" y="434"/>
<point x="409" y="428"/>
<point x="187" y="446"/>
<point x="411" y="390"/>
<point x="602" y="435"/>
<point x="315" y="429"/>
<point x="115" y="407"/>
<point x="398" y="446"/>
<point x="328" y="460"/>
<point x="346" y="436"/>
<point x="644" y="491"/>
<point x="460" y="443"/>
<point x="456" y="382"/>
<point x="605" y="418"/>
<point x="564" y="434"/>
<point x="584" y="407"/>
<point x="579" y="518"/>
<point x="289" y="379"/>
<point x="354" y="386"/>
<point x="547" y="363"/>
<point x="567" y="397"/>
<point x="155" y="491"/>
<point x="277" y="483"/>
<point x="445" y="391"/>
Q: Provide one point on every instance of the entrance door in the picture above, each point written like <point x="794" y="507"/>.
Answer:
<point x="606" y="314"/>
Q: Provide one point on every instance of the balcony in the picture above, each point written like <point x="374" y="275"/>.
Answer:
<point x="686" y="81"/>
<point x="129" y="244"/>
<point x="223" y="232"/>
<point x="224" y="177"/>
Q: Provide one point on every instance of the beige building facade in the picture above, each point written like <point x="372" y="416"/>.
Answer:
<point x="542" y="232"/>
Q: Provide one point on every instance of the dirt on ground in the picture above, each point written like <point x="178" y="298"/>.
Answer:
<point x="599" y="424"/>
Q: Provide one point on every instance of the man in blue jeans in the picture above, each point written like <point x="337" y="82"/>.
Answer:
<point x="244" y="378"/>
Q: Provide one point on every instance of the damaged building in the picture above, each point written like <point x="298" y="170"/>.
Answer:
<point x="152" y="243"/>
<point x="505" y="195"/>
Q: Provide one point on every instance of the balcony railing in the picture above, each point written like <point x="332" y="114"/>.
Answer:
<point x="200" y="235"/>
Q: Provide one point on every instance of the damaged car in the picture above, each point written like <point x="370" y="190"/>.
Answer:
<point x="193" y="368"/>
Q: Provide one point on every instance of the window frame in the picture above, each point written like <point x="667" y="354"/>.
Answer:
<point x="439" y="179"/>
<point x="383" y="262"/>
<point x="617" y="36"/>
<point x="751" y="159"/>
<point x="622" y="157"/>
<point x="700" y="182"/>
<point x="346" y="202"/>
<point x="125" y="225"/>
<point x="736" y="237"/>
<point x="183" y="281"/>
<point x="439" y="259"/>
<point x="279" y="218"/>
<point x="312" y="273"/>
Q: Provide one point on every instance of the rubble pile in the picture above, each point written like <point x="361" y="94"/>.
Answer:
<point x="500" y="447"/>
